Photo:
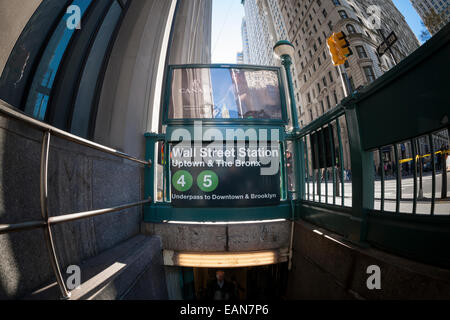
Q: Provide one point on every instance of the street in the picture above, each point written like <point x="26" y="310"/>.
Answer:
<point x="442" y="207"/>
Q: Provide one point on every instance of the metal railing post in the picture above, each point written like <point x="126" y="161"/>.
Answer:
<point x="44" y="211"/>
<point x="151" y="141"/>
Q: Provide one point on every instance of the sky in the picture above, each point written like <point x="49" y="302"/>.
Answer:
<point x="226" y="30"/>
<point x="411" y="16"/>
<point x="227" y="19"/>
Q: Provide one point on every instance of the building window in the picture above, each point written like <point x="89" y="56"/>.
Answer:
<point x="343" y="14"/>
<point x="336" y="2"/>
<point x="361" y="52"/>
<point x="351" y="29"/>
<point x="330" y="75"/>
<point x="370" y="76"/>
<point x="330" y="25"/>
<point x="352" y="84"/>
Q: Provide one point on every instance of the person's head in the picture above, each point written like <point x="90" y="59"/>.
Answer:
<point x="220" y="275"/>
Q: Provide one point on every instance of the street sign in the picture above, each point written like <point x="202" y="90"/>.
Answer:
<point x="387" y="44"/>
<point x="224" y="176"/>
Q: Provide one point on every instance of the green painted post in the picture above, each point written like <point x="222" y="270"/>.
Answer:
<point x="286" y="61"/>
<point x="306" y="155"/>
<point x="362" y="177"/>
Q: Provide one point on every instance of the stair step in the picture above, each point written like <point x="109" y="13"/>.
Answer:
<point x="116" y="274"/>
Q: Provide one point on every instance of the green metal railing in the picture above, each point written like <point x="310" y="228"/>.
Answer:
<point x="406" y="104"/>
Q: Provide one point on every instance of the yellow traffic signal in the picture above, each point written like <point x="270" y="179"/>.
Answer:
<point x="336" y="56"/>
<point x="342" y="44"/>
<point x="339" y="48"/>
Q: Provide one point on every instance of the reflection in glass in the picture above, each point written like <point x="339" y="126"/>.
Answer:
<point x="88" y="84"/>
<point x="44" y="78"/>
<point x="218" y="93"/>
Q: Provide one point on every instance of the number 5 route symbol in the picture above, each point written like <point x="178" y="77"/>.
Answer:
<point x="208" y="181"/>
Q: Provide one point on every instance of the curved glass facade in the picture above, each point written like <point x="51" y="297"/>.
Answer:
<point x="83" y="109"/>
<point x="63" y="70"/>
<point x="40" y="90"/>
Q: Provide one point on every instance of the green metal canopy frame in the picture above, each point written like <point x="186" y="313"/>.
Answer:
<point x="409" y="101"/>
<point x="164" y="211"/>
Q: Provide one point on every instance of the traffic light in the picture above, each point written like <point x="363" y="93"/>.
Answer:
<point x="334" y="51"/>
<point x="342" y="44"/>
<point x="339" y="48"/>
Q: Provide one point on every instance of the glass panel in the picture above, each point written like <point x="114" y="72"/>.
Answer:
<point x="337" y="157"/>
<point x="377" y="181"/>
<point x="290" y="167"/>
<point x="308" y="168"/>
<point x="159" y="178"/>
<point x="216" y="93"/>
<point x="88" y="85"/>
<point x="424" y="177"/>
<point x="346" y="162"/>
<point x="406" y="162"/>
<point x="390" y="178"/>
<point x="442" y="159"/>
<point x="44" y="78"/>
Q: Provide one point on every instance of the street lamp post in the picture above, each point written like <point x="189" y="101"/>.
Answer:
<point x="285" y="50"/>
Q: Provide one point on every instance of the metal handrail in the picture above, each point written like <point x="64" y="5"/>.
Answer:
<point x="30" y="225"/>
<point x="47" y="222"/>
<point x="9" y="110"/>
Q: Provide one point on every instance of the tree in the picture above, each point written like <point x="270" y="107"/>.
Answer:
<point x="433" y="20"/>
<point x="424" y="34"/>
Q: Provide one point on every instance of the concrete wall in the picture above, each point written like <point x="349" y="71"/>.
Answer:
<point x="13" y="19"/>
<point x="326" y="267"/>
<point x="216" y="238"/>
<point x="79" y="179"/>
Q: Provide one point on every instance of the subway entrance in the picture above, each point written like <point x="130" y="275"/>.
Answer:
<point x="264" y="283"/>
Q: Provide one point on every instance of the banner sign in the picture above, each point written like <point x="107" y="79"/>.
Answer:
<point x="236" y="175"/>
<point x="225" y="93"/>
